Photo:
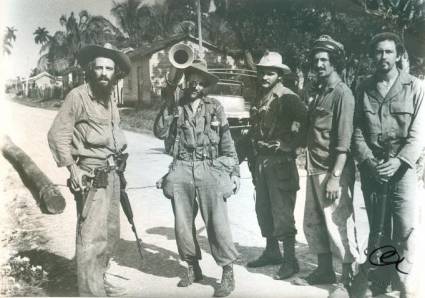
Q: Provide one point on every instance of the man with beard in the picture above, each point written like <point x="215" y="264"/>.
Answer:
<point x="330" y="167"/>
<point x="278" y="119"/>
<point x="387" y="143"/>
<point x="203" y="174"/>
<point x="86" y="138"/>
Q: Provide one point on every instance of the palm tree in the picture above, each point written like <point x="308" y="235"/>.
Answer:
<point x="41" y="36"/>
<point x="60" y="50"/>
<point x="126" y="14"/>
<point x="8" y="40"/>
<point x="72" y="34"/>
<point x="145" y="21"/>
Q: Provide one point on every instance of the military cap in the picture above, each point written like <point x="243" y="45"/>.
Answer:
<point x="328" y="44"/>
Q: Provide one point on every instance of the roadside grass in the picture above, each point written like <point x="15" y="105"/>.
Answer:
<point x="140" y="121"/>
<point x="52" y="104"/>
<point x="132" y="119"/>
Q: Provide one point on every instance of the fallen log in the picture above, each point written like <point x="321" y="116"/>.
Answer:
<point x="46" y="194"/>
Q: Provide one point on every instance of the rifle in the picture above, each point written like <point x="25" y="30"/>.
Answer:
<point x="380" y="205"/>
<point x="121" y="161"/>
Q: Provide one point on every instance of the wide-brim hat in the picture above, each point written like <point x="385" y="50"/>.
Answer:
<point x="91" y="52"/>
<point x="273" y="60"/>
<point x="200" y="67"/>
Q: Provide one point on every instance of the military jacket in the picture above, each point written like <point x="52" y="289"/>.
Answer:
<point x="197" y="135"/>
<point x="399" y="118"/>
<point x="273" y="117"/>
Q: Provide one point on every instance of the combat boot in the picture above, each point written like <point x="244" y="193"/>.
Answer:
<point x="324" y="273"/>
<point x="289" y="265"/>
<point x="344" y="286"/>
<point x="193" y="274"/>
<point x="339" y="292"/>
<point x="360" y="284"/>
<point x="227" y="284"/>
<point x="270" y="256"/>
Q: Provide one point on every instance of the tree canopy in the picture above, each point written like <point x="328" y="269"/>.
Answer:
<point x="244" y="28"/>
<point x="59" y="51"/>
<point x="8" y="39"/>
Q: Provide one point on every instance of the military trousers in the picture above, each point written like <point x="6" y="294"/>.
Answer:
<point x="203" y="185"/>
<point x="326" y="222"/>
<point x="98" y="231"/>
<point x="400" y="222"/>
<point x="276" y="185"/>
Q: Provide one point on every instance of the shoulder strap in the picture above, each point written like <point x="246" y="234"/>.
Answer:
<point x="210" y="111"/>
<point x="178" y="132"/>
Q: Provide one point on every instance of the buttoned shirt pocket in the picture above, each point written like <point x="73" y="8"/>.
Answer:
<point x="371" y="116"/>
<point x="322" y="121"/>
<point x="322" y="118"/>
<point x="401" y="113"/>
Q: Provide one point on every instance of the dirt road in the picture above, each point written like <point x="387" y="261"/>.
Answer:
<point x="158" y="275"/>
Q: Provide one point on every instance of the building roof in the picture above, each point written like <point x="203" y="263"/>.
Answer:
<point x="40" y="75"/>
<point x="162" y="44"/>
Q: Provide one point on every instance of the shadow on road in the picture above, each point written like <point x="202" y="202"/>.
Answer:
<point x="306" y="260"/>
<point x="62" y="272"/>
<point x="159" y="150"/>
<point x="156" y="261"/>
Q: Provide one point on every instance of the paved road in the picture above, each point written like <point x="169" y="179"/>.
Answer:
<point x="158" y="275"/>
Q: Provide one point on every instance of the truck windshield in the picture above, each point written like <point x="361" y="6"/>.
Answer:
<point x="226" y="89"/>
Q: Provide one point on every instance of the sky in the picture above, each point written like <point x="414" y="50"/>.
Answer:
<point x="27" y="15"/>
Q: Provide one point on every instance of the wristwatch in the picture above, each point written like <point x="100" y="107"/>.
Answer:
<point x="336" y="173"/>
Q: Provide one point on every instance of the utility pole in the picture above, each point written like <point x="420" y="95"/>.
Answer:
<point x="201" y="48"/>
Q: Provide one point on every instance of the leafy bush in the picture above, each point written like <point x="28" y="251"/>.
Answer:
<point x="20" y="278"/>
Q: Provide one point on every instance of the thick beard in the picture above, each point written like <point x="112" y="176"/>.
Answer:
<point x="100" y="91"/>
<point x="187" y="95"/>
<point x="270" y="87"/>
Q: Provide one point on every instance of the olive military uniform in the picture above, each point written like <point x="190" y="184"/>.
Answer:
<point x="275" y="173"/>
<point x="87" y="133"/>
<point x="199" y="176"/>
<point x="398" y="119"/>
<point x="329" y="133"/>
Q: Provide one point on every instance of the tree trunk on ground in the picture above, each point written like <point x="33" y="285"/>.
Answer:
<point x="46" y="194"/>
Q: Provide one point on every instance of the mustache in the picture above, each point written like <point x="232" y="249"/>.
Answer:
<point x="189" y="91"/>
<point x="103" y="78"/>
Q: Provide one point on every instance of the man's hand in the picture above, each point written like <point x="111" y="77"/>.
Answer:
<point x="236" y="183"/>
<point x="76" y="177"/>
<point x="332" y="188"/>
<point x="370" y="166"/>
<point x="275" y="146"/>
<point x="387" y="169"/>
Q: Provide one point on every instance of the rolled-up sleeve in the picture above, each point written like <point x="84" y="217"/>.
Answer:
<point x="163" y="122"/>
<point x="415" y="140"/>
<point x="61" y="132"/>
<point x="344" y="121"/>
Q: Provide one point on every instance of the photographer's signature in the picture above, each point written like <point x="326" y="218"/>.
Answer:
<point x="384" y="256"/>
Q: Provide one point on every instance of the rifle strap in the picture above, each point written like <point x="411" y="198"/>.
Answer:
<point x="178" y="133"/>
